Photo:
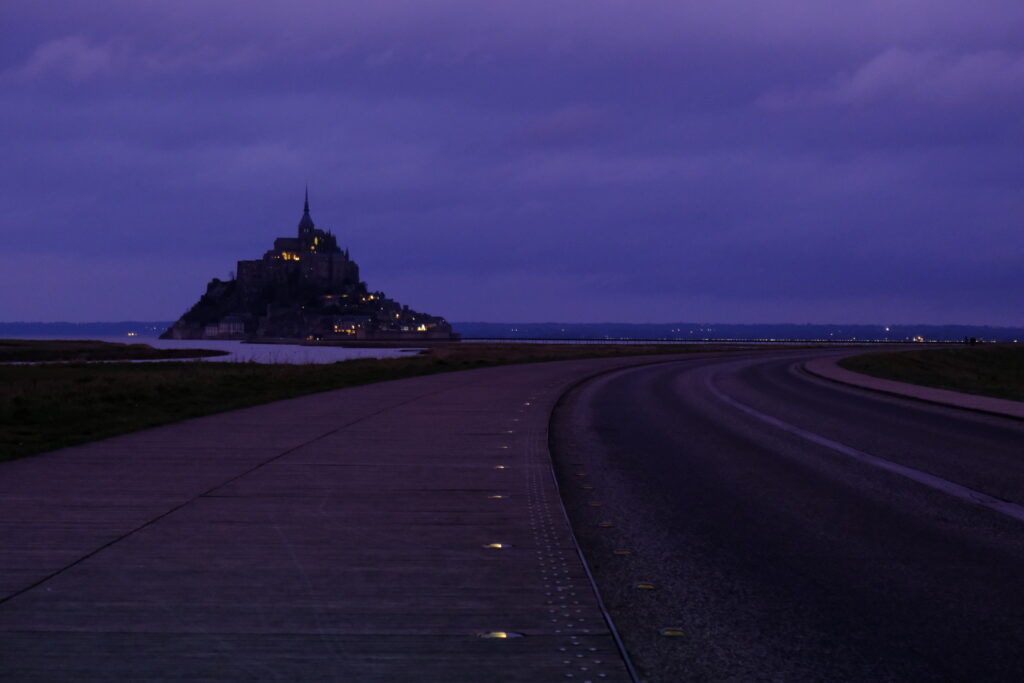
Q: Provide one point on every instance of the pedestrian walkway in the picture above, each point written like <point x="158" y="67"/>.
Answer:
<point x="366" y="534"/>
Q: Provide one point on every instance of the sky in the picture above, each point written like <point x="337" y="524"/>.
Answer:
<point x="557" y="160"/>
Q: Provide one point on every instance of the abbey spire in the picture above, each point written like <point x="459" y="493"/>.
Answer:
<point x="306" y="222"/>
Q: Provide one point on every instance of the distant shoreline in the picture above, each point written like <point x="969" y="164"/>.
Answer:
<point x="594" y="332"/>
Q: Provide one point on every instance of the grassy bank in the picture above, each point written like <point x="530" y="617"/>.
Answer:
<point x="989" y="370"/>
<point x="44" y="407"/>
<point x="82" y="350"/>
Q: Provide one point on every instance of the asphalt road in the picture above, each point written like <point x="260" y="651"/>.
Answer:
<point x="794" y="529"/>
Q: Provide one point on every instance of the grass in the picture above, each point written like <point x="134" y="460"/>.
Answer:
<point x="995" y="370"/>
<point x="81" y="350"/>
<point x="44" y="407"/>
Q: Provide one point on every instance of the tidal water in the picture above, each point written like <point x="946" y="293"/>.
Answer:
<point x="239" y="352"/>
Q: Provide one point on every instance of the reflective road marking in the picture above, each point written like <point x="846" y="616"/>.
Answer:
<point x="930" y="480"/>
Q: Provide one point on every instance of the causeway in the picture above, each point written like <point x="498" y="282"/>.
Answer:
<point x="375" y="533"/>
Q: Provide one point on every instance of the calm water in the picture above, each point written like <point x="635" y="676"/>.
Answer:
<point x="274" y="353"/>
<point x="265" y="353"/>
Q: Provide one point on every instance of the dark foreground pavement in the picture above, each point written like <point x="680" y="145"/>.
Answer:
<point x="793" y="529"/>
<point x="340" y="536"/>
<point x="345" y="536"/>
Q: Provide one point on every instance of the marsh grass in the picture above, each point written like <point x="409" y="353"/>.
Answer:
<point x="44" y="407"/>
<point x="995" y="370"/>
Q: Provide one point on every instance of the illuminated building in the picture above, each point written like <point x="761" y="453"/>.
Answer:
<point x="305" y="287"/>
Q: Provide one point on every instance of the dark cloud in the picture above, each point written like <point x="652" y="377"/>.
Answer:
<point x="574" y="161"/>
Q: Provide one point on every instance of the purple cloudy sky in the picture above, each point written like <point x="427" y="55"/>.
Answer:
<point x="569" y="160"/>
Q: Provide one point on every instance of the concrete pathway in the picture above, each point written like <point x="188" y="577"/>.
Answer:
<point x="828" y="369"/>
<point x="340" y="536"/>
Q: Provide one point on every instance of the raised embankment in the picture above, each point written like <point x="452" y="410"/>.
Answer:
<point x="828" y="368"/>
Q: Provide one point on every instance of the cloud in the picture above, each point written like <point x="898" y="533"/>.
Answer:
<point x="931" y="77"/>
<point x="529" y="146"/>
<point x="71" y="57"/>
<point x="567" y="126"/>
<point x="78" y="59"/>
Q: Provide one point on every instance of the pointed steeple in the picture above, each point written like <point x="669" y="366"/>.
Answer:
<point x="305" y="223"/>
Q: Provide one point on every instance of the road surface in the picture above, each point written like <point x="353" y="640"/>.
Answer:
<point x="353" y="535"/>
<point x="788" y="528"/>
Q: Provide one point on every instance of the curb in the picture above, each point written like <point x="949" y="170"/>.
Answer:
<point x="827" y="368"/>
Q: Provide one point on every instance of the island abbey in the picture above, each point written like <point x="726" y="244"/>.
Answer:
<point x="306" y="287"/>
